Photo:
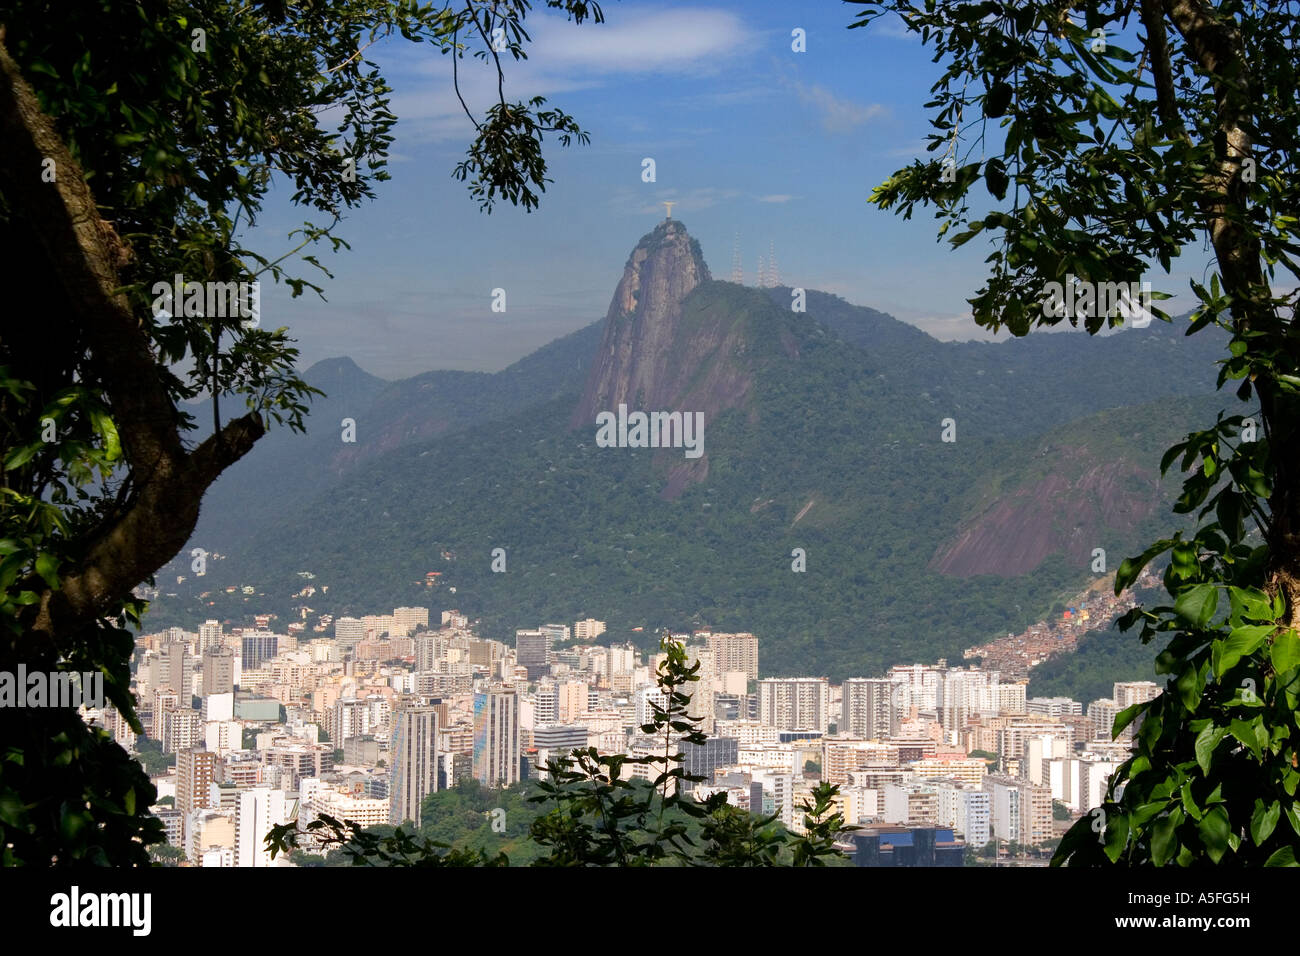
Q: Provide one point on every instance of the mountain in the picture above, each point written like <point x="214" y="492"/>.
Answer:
<point x="824" y="445"/>
<point x="285" y="467"/>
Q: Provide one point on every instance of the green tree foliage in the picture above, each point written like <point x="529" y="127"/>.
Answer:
<point x="180" y="115"/>
<point x="1097" y="158"/>
<point x="165" y="854"/>
<point x="1102" y="657"/>
<point x="150" y="754"/>
<point x="474" y="817"/>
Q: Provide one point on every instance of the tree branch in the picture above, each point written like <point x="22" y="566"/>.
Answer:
<point x="84" y="253"/>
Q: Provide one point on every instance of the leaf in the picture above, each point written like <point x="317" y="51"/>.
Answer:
<point x="47" y="566"/>
<point x="1285" y="652"/>
<point x="1190" y="686"/>
<point x="1283" y="857"/>
<point x="1125" y="717"/>
<point x="1248" y="732"/>
<point x="1263" y="821"/>
<point x="997" y="99"/>
<point x="1206" y="741"/>
<point x="1214" y="829"/>
<point x="1197" y="604"/>
<point x="1250" y="604"/>
<point x="21" y="455"/>
<point x="1239" y="643"/>
<point x="103" y="424"/>
<point x="1163" y="840"/>
<point x="995" y="177"/>
<point x="1117" y="828"/>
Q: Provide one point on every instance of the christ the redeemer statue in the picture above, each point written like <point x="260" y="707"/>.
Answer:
<point x="669" y="207"/>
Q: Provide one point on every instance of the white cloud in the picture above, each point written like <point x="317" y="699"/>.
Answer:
<point x="776" y="197"/>
<point x="640" y="41"/>
<point x="837" y="115"/>
<point x="562" y="57"/>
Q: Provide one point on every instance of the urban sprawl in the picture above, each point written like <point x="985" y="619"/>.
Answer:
<point x="934" y="763"/>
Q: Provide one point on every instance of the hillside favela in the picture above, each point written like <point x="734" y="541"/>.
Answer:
<point x="580" y="443"/>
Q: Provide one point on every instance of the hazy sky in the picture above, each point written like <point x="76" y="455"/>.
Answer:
<point x="747" y="136"/>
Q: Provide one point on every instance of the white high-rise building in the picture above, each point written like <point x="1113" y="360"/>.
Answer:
<point x="1094" y="780"/>
<point x="921" y="687"/>
<point x="967" y="811"/>
<point x="1130" y="692"/>
<point x="496" y="737"/>
<point x="963" y="694"/>
<point x="1040" y="750"/>
<point x="260" y="809"/>
<point x="589" y="629"/>
<point x="642" y="701"/>
<point x="868" y="708"/>
<point x="1054" y="707"/>
<point x="1010" y="698"/>
<point x="1102" y="713"/>
<point x="795" y="703"/>
<point x="348" y="633"/>
<point x="209" y="635"/>
<point x="351" y="718"/>
<point x="777" y="787"/>
<point x="546" y="703"/>
<point x="621" y="658"/>
<point x="318" y="797"/>
<point x="414" y="750"/>
<point x="1065" y="776"/>
<point x="734" y="652"/>
<point x="407" y="619"/>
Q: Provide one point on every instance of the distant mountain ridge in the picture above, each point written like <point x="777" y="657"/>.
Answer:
<point x="823" y="434"/>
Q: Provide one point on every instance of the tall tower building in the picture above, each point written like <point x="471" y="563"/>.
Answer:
<point x="735" y="652"/>
<point x="218" y="670"/>
<point x="737" y="270"/>
<point x="258" y="648"/>
<point x="176" y="672"/>
<point x="164" y="700"/>
<point x="415" y="763"/>
<point x="209" y="635"/>
<point x="1130" y="692"/>
<point x="794" y="703"/>
<point x="348" y="633"/>
<point x="496" y="737"/>
<point x="196" y="771"/>
<point x="533" y="651"/>
<point x="773" y="276"/>
<point x="260" y="809"/>
<point x="409" y="619"/>
<point x="869" y="708"/>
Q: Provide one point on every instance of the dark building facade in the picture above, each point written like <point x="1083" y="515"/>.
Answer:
<point x="890" y="845"/>
<point x="702" y="759"/>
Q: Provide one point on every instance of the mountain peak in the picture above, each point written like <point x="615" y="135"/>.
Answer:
<point x="642" y="326"/>
<point x="664" y="267"/>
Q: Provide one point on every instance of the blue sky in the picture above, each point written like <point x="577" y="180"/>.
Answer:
<point x="747" y="136"/>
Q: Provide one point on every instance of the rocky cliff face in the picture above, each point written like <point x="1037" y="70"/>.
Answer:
<point x="1080" y="505"/>
<point x="674" y="340"/>
<point x="642" y="337"/>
